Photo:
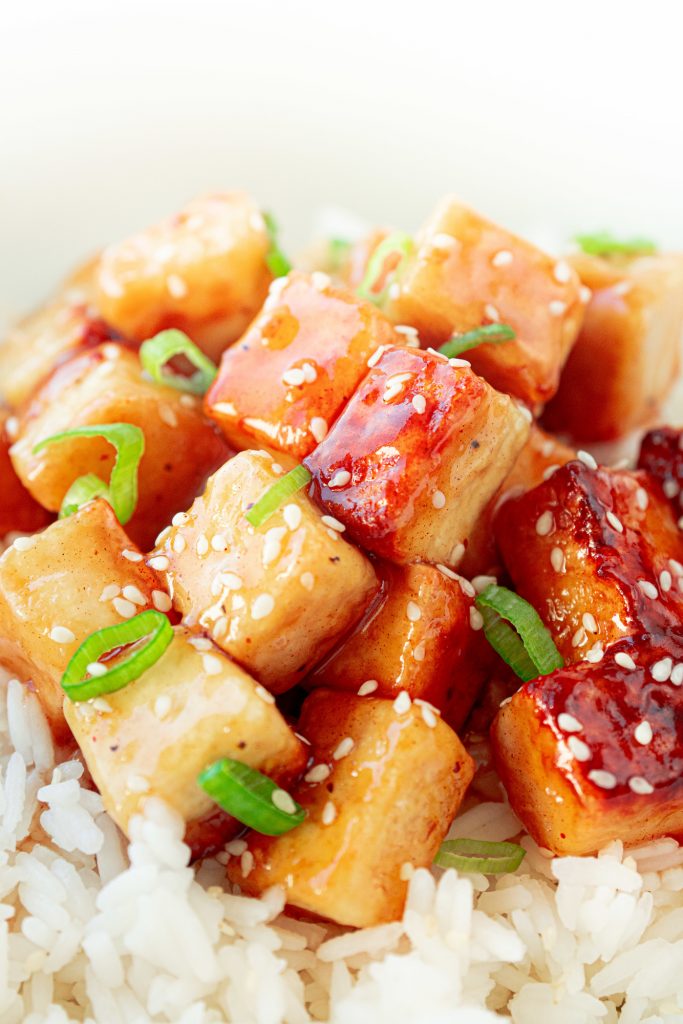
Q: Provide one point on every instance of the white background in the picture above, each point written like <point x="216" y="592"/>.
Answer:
<point x="550" y="117"/>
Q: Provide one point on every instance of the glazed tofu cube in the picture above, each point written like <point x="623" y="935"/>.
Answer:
<point x="597" y="552"/>
<point x="60" y="328"/>
<point x="467" y="271"/>
<point x="60" y="586"/>
<point x="277" y="597"/>
<point x="106" y="385"/>
<point x="203" y="271"/>
<point x="423" y="638"/>
<point x="661" y="455"/>
<point x="383" y="788"/>
<point x="287" y="380"/>
<point x="626" y="358"/>
<point x="156" y="735"/>
<point x="594" y="753"/>
<point x="416" y="456"/>
<point x="19" y="513"/>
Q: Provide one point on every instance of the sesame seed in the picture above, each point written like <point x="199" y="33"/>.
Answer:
<point x="333" y="523"/>
<point x="272" y="543"/>
<point x="595" y="654"/>
<point x="180" y="518"/>
<point x="406" y="329"/>
<point x="641" y="786"/>
<point x="162" y="706"/>
<point x="677" y="675"/>
<point x="562" y="272"/>
<point x="545" y="523"/>
<point x="549" y="470"/>
<point x="126" y="609"/>
<point x="579" y="638"/>
<point x="110" y="592"/>
<point x="176" y="286"/>
<point x="480" y="583"/>
<point x="679" y="523"/>
<point x="413" y="611"/>
<point x="162" y="536"/>
<point x="283" y="801"/>
<point x="648" y="589"/>
<point x="137" y="784"/>
<point x="642" y="499"/>
<point x="568" y="723"/>
<point x="377" y="355"/>
<point x="602" y="778"/>
<point x="661" y="670"/>
<point x="585" y="293"/>
<point x="625" y="660"/>
<point x="589" y="622"/>
<point x="168" y="416"/>
<point x="615" y="522"/>
<point x="262" y="606"/>
<point x="102" y="705"/>
<point x="459" y="363"/>
<point x="329" y="813"/>
<point x="265" y="695"/>
<point x="578" y="749"/>
<point x="236" y="847"/>
<point x="202" y="546"/>
<point x="276" y="468"/>
<point x="402" y="703"/>
<point x="419" y="403"/>
<point x="445" y="571"/>
<point x="220" y="627"/>
<point x="246" y="863"/>
<point x="340" y="479"/>
<point x="557" y="307"/>
<point x="524" y="411"/>
<point x="491" y="313"/>
<point x="457" y="553"/>
<point x="476" y="619"/>
<point x="23" y="543"/>
<point x="369" y="686"/>
<point x="96" y="669"/>
<point x="332" y="534"/>
<point x="438" y="499"/>
<point x="12" y="427"/>
<point x="295" y="377"/>
<point x="159" y="562"/>
<point x="218" y="542"/>
<point x="307" y="580"/>
<point x="665" y="581"/>
<point x="318" y="428"/>
<point x="587" y="459"/>
<point x="318" y="773"/>
<point x="502" y="258"/>
<point x="343" y="749"/>
<point x="428" y="716"/>
<point x="310" y="373"/>
<point x="441" y="240"/>
<point x="200" y="643"/>
<point x="179" y="544"/>
<point x="419" y="651"/>
<point x="212" y="665"/>
<point x="320" y="280"/>
<point x="466" y="587"/>
<point x="394" y="290"/>
<point x="557" y="560"/>
<point x="670" y="488"/>
<point x="643" y="733"/>
<point x="292" y="515"/>
<point x="132" y="556"/>
<point x="135" y="595"/>
<point x="231" y="581"/>
<point x="676" y="567"/>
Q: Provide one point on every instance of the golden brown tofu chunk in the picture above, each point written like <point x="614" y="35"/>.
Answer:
<point x="19" y="513"/>
<point x="277" y="597"/>
<point x="597" y="552"/>
<point x="155" y="736"/>
<point x="627" y="355"/>
<point x="384" y="784"/>
<point x="594" y="753"/>
<point x="415" y="457"/>
<point x="424" y="637"/>
<point x="107" y="385"/>
<point x="203" y="271"/>
<point x="56" y="588"/>
<point x="289" y="377"/>
<point x="467" y="271"/>
<point x="64" y="325"/>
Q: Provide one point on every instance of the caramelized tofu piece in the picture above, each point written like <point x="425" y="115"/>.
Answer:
<point x="661" y="454"/>
<point x="422" y="638"/>
<point x="597" y="552"/>
<point x="627" y="355"/>
<point x="467" y="271"/>
<point x="19" y="513"/>
<point x="155" y="736"/>
<point x="203" y="271"/>
<point x="276" y="598"/>
<point x="381" y="793"/>
<point x="594" y="753"/>
<point x="415" y="457"/>
<point x="106" y="385"/>
<point x="292" y="373"/>
<point x="56" y="588"/>
<point x="59" y="329"/>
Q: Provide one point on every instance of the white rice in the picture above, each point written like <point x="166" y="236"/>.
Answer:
<point x="90" y="931"/>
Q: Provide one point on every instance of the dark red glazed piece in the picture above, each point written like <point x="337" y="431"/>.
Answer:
<point x="661" y="455"/>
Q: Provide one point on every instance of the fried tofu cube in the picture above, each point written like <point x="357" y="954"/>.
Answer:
<point x="63" y="326"/>
<point x="19" y="513"/>
<point x="107" y="385"/>
<point x="423" y="638"/>
<point x="381" y="793"/>
<point x="289" y="377"/>
<point x="596" y="552"/>
<point x="202" y="270"/>
<point x="157" y="734"/>
<point x="594" y="753"/>
<point x="467" y="271"/>
<point x="60" y="586"/>
<point x="277" y="597"/>
<point x="416" y="456"/>
<point x="627" y="355"/>
<point x="661" y="455"/>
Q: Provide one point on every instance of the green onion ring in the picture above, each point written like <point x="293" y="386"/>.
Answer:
<point x="602" y="243"/>
<point x="541" y="654"/>
<point x="282" y="489"/>
<point x="480" y="855"/>
<point x="376" y="282"/>
<point x="276" y="261"/>
<point x="488" y="334"/>
<point x="247" y="795"/>
<point x="156" y="352"/>
<point x="83" y="489"/>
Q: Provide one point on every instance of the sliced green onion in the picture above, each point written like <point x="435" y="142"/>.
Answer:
<point x="383" y="265"/>
<point x="157" y="351"/>
<point x="282" y="489"/>
<point x="249" y="796"/>
<point x="540" y="655"/>
<point x="84" y="489"/>
<point x="480" y="855"/>
<point x="276" y="261"/>
<point x="489" y="334"/>
<point x="602" y="243"/>
<point x="337" y="252"/>
<point x="129" y="442"/>
<point x="150" y="624"/>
